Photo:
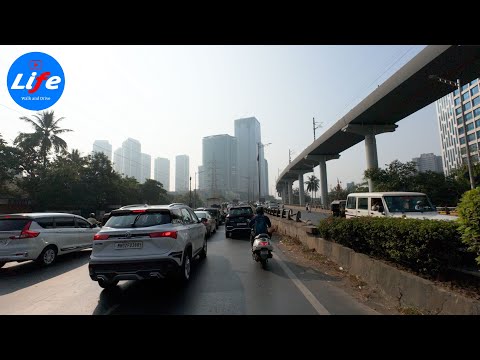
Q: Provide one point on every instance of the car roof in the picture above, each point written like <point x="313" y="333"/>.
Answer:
<point x="40" y="214"/>
<point x="388" y="193"/>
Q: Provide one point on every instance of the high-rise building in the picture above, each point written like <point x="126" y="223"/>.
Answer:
<point x="146" y="168"/>
<point x="103" y="146"/>
<point x="219" y="170"/>
<point x="132" y="158"/>
<point x="429" y="162"/>
<point x="182" y="173"/>
<point x="118" y="161"/>
<point x="450" y="125"/>
<point x="350" y="186"/>
<point x="162" y="172"/>
<point x="247" y="132"/>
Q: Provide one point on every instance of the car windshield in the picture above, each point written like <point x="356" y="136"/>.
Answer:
<point x="241" y="212"/>
<point x="408" y="203"/>
<point x="138" y="220"/>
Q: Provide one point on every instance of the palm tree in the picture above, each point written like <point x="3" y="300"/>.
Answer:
<point x="45" y="135"/>
<point x="313" y="185"/>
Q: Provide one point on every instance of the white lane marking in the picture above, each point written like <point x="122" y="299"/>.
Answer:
<point x="303" y="289"/>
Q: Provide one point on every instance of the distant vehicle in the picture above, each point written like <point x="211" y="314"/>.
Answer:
<point x="208" y="220"/>
<point x="237" y="220"/>
<point x="338" y="208"/>
<point x="43" y="236"/>
<point x="214" y="212"/>
<point x="394" y="204"/>
<point x="147" y="242"/>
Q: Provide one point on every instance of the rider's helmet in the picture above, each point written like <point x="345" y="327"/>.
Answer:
<point x="259" y="210"/>
<point x="92" y="215"/>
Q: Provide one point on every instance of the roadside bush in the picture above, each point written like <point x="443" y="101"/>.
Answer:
<point x="469" y="219"/>
<point x="425" y="246"/>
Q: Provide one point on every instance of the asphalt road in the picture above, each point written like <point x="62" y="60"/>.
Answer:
<point x="228" y="282"/>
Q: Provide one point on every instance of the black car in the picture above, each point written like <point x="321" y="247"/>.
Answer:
<point x="236" y="222"/>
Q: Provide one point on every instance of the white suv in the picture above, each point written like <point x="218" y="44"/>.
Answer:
<point x="153" y="241"/>
<point x="43" y="236"/>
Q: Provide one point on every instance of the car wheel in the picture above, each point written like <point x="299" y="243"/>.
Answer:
<point x="227" y="234"/>
<point x="107" y="284"/>
<point x="203" y="252"/>
<point x="2" y="264"/>
<point x="186" y="267"/>
<point x="48" y="256"/>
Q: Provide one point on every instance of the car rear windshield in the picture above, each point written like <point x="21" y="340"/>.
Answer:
<point x="241" y="212"/>
<point x="13" y="224"/>
<point x="127" y="220"/>
<point x="201" y="214"/>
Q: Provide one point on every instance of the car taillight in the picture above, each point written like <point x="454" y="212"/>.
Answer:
<point x="264" y="243"/>
<point x="172" y="234"/>
<point x="100" y="237"/>
<point x="138" y="211"/>
<point x="26" y="233"/>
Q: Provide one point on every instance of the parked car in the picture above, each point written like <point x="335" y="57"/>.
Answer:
<point x="154" y="241"/>
<point x="43" y="236"/>
<point x="237" y="220"/>
<point x="208" y="220"/>
<point x="395" y="204"/>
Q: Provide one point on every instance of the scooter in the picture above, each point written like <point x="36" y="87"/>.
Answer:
<point x="262" y="248"/>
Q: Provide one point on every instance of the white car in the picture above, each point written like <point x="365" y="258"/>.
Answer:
<point x="145" y="242"/>
<point x="43" y="236"/>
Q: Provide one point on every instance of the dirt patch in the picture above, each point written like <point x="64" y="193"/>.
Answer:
<point x="353" y="285"/>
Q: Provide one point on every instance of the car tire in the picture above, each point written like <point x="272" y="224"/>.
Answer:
<point x="203" y="252"/>
<point x="2" y="264"/>
<point x="107" y="284"/>
<point x="227" y="234"/>
<point x="47" y="256"/>
<point x="186" y="268"/>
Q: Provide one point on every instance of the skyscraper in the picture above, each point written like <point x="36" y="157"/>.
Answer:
<point x="182" y="173"/>
<point x="429" y="162"/>
<point x="219" y="157"/>
<point x="146" y="168"/>
<point x="162" y="172"/>
<point x="118" y="161"/>
<point x="132" y="158"/>
<point x="103" y="146"/>
<point x="450" y="124"/>
<point x="247" y="132"/>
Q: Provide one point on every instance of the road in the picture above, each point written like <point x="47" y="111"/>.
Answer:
<point x="228" y="282"/>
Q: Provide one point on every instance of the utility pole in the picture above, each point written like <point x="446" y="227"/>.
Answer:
<point x="316" y="125"/>
<point x="467" y="147"/>
<point x="190" y="191"/>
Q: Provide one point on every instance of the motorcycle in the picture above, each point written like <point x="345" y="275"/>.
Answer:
<point x="261" y="248"/>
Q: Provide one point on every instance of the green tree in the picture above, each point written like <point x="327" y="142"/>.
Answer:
<point x="397" y="176"/>
<point x="45" y="135"/>
<point x="469" y="219"/>
<point x="9" y="163"/>
<point x="153" y="193"/>
<point x="313" y="184"/>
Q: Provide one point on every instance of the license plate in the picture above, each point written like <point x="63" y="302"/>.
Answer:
<point x="264" y="252"/>
<point x="128" y="245"/>
<point x="241" y="223"/>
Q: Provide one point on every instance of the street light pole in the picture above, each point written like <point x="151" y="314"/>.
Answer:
<point x="190" y="191"/>
<point x="459" y="87"/>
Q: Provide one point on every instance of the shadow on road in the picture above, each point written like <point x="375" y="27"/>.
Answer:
<point x="168" y="297"/>
<point x="28" y="273"/>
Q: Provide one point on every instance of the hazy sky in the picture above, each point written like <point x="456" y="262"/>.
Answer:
<point x="170" y="97"/>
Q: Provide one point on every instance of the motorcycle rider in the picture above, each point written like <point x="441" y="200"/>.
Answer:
<point x="261" y="222"/>
<point x="92" y="220"/>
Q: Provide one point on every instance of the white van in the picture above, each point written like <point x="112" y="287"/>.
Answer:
<point x="395" y="204"/>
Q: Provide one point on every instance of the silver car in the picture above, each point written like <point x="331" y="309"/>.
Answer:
<point x="43" y="236"/>
<point x="154" y="241"/>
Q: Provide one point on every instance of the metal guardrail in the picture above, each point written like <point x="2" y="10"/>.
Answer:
<point x="285" y="214"/>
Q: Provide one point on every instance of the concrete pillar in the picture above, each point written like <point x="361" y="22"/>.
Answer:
<point x="301" y="191"/>
<point x="284" y="193"/>
<point x="369" y="131"/>
<point x="323" y="182"/>
<point x="290" y="192"/>
<point x="371" y="153"/>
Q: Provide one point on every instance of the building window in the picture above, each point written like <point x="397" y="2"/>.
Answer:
<point x="478" y="134"/>
<point x="471" y="137"/>
<point x="458" y="110"/>
<point x="464" y="87"/>
<point x="466" y="96"/>
<point x="476" y="101"/>
<point x="467" y="106"/>
<point x="476" y="112"/>
<point x="473" y="148"/>
<point x="462" y="140"/>
<point x="463" y="150"/>
<point x="457" y="101"/>
<point x="469" y="116"/>
<point x="461" y="131"/>
<point x="474" y="90"/>
<point x="473" y="82"/>
<point x="455" y="93"/>
<point x="477" y="123"/>
<point x="459" y="120"/>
